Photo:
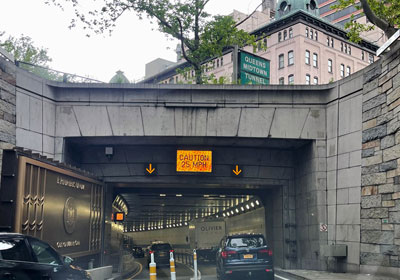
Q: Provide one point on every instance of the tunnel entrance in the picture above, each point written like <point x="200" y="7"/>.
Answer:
<point x="250" y="185"/>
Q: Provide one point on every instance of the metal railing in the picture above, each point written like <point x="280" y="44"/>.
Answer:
<point x="6" y="55"/>
<point x="54" y="75"/>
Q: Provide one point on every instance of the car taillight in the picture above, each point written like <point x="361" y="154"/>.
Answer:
<point x="151" y="252"/>
<point x="266" y="251"/>
<point x="225" y="254"/>
<point x="171" y="251"/>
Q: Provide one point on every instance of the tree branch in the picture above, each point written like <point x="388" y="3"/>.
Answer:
<point x="382" y="24"/>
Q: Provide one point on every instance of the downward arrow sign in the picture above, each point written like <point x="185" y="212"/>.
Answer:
<point x="150" y="169"/>
<point x="237" y="171"/>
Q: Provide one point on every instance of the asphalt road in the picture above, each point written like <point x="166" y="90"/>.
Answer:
<point x="184" y="272"/>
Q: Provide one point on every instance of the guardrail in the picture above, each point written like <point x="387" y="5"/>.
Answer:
<point x="6" y="55"/>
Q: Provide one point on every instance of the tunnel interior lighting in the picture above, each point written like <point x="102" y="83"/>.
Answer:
<point x="223" y="214"/>
<point x="227" y="213"/>
<point x="206" y="195"/>
<point x="237" y="210"/>
<point x="252" y="204"/>
<point x="222" y="196"/>
<point x="247" y="206"/>
<point x="179" y="195"/>
<point x="232" y="212"/>
<point x="242" y="208"/>
<point x="257" y="202"/>
<point x="163" y="194"/>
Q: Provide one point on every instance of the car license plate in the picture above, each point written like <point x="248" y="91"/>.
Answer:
<point x="248" y="256"/>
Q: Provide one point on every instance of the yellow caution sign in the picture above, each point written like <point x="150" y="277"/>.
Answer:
<point x="193" y="161"/>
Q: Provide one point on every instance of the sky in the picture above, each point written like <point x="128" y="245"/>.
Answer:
<point x="133" y="43"/>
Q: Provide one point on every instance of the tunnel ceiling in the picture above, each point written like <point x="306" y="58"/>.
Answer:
<point x="174" y="207"/>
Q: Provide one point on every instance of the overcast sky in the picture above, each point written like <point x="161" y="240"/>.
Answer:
<point x="129" y="48"/>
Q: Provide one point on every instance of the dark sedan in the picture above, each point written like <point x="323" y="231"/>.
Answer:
<point x="27" y="258"/>
<point x="244" y="256"/>
<point x="161" y="253"/>
<point x="137" y="252"/>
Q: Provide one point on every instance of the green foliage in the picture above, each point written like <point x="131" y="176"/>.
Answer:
<point x="23" y="49"/>
<point x="381" y="13"/>
<point x="201" y="36"/>
<point x="31" y="58"/>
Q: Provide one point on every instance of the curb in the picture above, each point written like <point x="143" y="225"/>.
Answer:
<point x="292" y="275"/>
<point x="128" y="273"/>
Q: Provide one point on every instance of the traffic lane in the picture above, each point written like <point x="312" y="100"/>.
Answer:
<point x="209" y="272"/>
<point x="163" y="272"/>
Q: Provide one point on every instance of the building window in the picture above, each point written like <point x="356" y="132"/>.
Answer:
<point x="285" y="35"/>
<point x="265" y="42"/>
<point x="371" y="58"/>
<point x="316" y="36"/>
<point x="327" y="41"/>
<point x="362" y="55"/>
<point x="330" y="65"/>
<point x="307" y="57"/>
<point x="217" y="63"/>
<point x="315" y="80"/>
<point x="332" y="45"/>
<point x="279" y="36"/>
<point x="342" y="70"/>
<point x="341" y="46"/>
<point x="291" y="79"/>
<point x="315" y="60"/>
<point x="307" y="32"/>
<point x="349" y="50"/>
<point x="348" y="71"/>
<point x="290" y="58"/>
<point x="308" y="79"/>
<point x="281" y="61"/>
<point x="222" y="61"/>
<point x="171" y="80"/>
<point x="290" y="32"/>
<point x="282" y="81"/>
<point x="311" y="34"/>
<point x="345" y="48"/>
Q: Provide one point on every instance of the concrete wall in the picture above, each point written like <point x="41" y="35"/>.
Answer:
<point x="380" y="180"/>
<point x="7" y="105"/>
<point x="35" y="114"/>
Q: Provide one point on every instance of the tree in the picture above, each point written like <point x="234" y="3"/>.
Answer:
<point x="23" y="49"/>
<point x="381" y="13"/>
<point x="200" y="36"/>
<point x="31" y="58"/>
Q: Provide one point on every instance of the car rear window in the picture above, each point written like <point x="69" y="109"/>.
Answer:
<point x="249" y="242"/>
<point x="161" y="247"/>
<point x="14" y="249"/>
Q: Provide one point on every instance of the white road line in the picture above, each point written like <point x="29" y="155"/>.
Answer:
<point x="283" y="278"/>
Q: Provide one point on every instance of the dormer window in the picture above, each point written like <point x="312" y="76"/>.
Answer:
<point x="313" y="5"/>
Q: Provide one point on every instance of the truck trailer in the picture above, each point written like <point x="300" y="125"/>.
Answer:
<point x="204" y="236"/>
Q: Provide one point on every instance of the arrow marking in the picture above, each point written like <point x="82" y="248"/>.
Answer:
<point x="150" y="169"/>
<point x="237" y="171"/>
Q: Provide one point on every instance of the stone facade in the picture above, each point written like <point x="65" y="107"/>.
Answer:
<point x="380" y="180"/>
<point x="7" y="106"/>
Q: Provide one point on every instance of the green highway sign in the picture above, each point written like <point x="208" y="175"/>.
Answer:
<point x="253" y="69"/>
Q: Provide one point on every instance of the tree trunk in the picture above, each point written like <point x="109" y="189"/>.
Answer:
<point x="382" y="24"/>
<point x="197" y="71"/>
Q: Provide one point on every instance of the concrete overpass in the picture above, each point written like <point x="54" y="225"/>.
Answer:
<point x="300" y="148"/>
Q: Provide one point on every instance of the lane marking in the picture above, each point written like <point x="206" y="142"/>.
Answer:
<point x="283" y="278"/>
<point x="198" y="271"/>
<point x="137" y="273"/>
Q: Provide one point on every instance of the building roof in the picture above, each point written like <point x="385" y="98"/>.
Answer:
<point x="119" y="78"/>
